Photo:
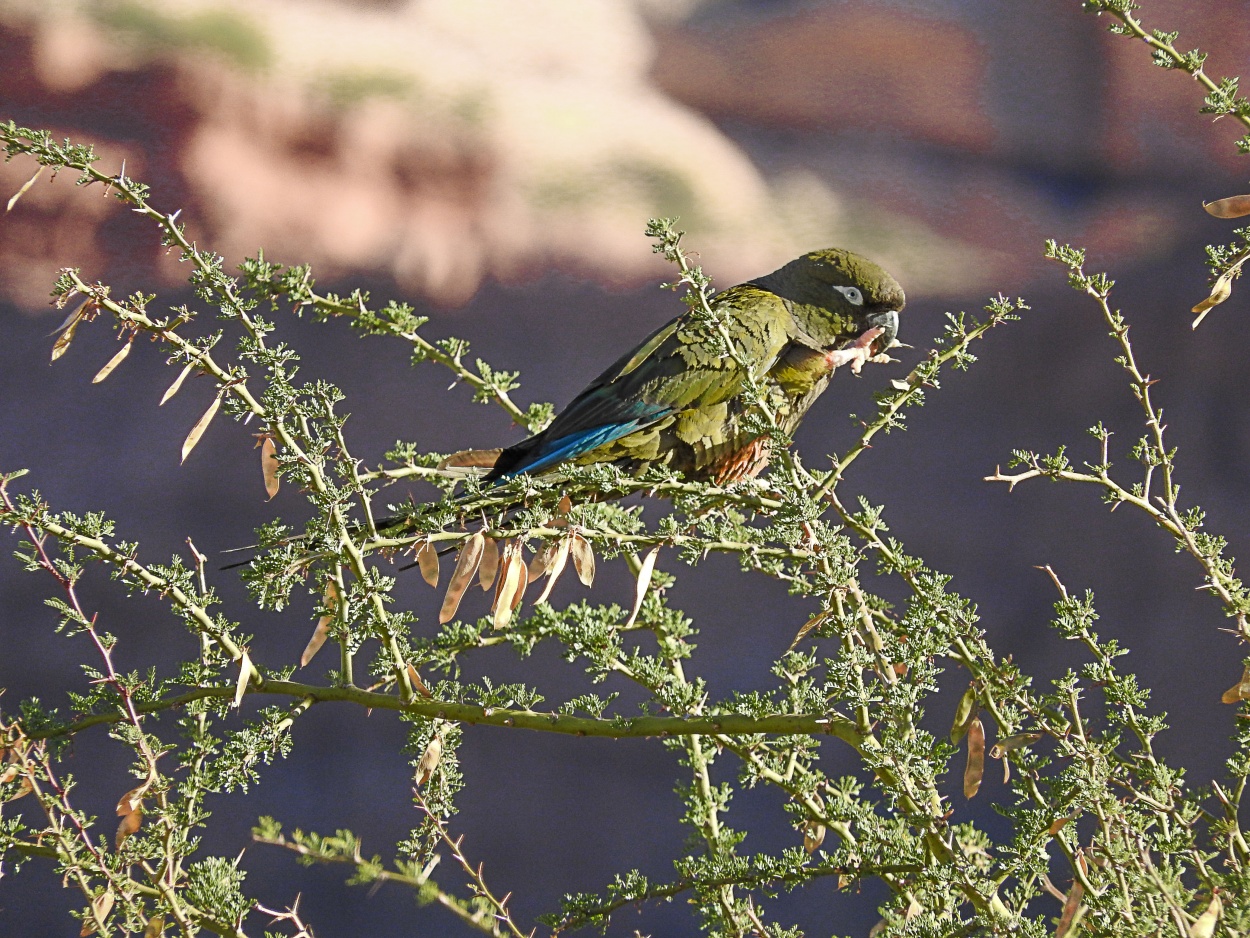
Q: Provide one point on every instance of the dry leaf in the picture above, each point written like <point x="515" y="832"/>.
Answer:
<point x="1204" y="927"/>
<point x="429" y="760"/>
<point x="466" y="566"/>
<point x="557" y="567"/>
<point x="1012" y="743"/>
<point x="644" y="581"/>
<point x="976" y="758"/>
<point x="471" y="459"/>
<point x="65" y="332"/>
<point x="200" y="426"/>
<point x="489" y="566"/>
<point x="583" y="559"/>
<point x="1058" y="824"/>
<point x="963" y="715"/>
<point x="813" y="836"/>
<point x="415" y="680"/>
<point x="246" y="672"/>
<point x="1239" y="691"/>
<point x="173" y="388"/>
<point x="25" y="187"/>
<point x="269" y="465"/>
<point x="113" y="362"/>
<point x="1234" y="206"/>
<point x="427" y="561"/>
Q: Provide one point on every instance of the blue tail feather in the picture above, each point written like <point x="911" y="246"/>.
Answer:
<point x="574" y="445"/>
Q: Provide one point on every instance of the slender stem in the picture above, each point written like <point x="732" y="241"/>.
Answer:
<point x="783" y="724"/>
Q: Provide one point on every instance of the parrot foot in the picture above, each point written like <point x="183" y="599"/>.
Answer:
<point x="857" y="352"/>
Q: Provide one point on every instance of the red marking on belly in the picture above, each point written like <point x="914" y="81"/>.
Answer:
<point x="745" y="463"/>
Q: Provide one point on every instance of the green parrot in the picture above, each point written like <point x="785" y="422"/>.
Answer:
<point x="677" y="400"/>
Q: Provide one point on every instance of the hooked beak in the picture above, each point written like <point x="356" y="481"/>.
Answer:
<point x="887" y="322"/>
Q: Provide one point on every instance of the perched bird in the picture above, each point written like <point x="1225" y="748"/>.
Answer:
<point x="678" y="400"/>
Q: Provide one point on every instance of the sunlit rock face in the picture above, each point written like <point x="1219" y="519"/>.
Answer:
<point x="444" y="142"/>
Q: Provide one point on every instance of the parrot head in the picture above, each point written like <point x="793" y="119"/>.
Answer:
<point x="835" y="296"/>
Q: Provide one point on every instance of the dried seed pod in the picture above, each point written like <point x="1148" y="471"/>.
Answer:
<point x="129" y="825"/>
<point x="583" y="559"/>
<point x="975" y="768"/>
<point x="173" y="388"/>
<point x="807" y="627"/>
<point x="466" y="566"/>
<point x="471" y="459"/>
<point x="964" y="713"/>
<point x="247" y="671"/>
<point x="427" y="562"/>
<point x="429" y="760"/>
<point x="113" y="362"/>
<point x="1204" y="927"/>
<point x="1059" y="824"/>
<point x="557" y="567"/>
<point x="1012" y="743"/>
<point x="1235" y="206"/>
<point x="489" y="565"/>
<point x="415" y="680"/>
<point x="200" y="426"/>
<point x="66" y="330"/>
<point x="269" y="465"/>
<point x="541" y="562"/>
<point x="1221" y="290"/>
<point x="101" y="906"/>
<point x="31" y="181"/>
<point x="330" y="600"/>
<point x="644" y="581"/>
<point x="513" y="578"/>
<point x="813" y="836"/>
<point x="1239" y="691"/>
<point x="130" y="810"/>
<point x="319" y="636"/>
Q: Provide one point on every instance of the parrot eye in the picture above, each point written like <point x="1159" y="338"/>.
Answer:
<point x="852" y="294"/>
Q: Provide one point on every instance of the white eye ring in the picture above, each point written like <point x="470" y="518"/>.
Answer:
<point x="852" y="294"/>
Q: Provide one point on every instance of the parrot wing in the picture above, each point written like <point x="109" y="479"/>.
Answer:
<point x="672" y="370"/>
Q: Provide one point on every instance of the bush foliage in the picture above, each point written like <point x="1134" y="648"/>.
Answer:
<point x="1104" y="837"/>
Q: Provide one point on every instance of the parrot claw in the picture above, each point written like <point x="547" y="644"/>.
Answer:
<point x="857" y="352"/>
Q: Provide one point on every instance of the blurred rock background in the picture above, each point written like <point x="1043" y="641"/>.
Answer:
<point x="495" y="162"/>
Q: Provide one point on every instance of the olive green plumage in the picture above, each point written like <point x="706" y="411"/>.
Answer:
<point x="678" y="400"/>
